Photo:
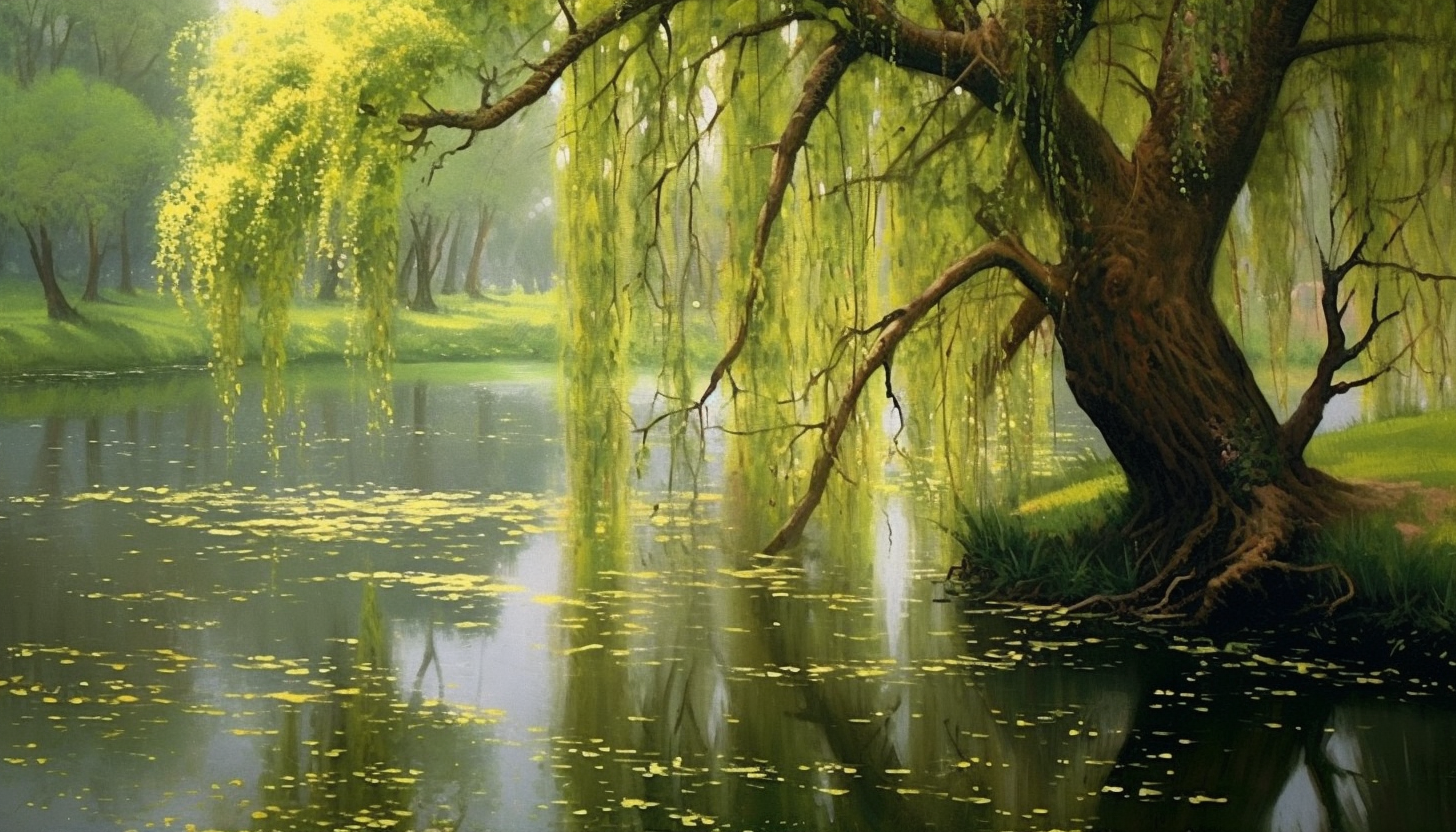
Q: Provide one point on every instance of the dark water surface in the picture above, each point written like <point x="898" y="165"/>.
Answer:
<point x="408" y="630"/>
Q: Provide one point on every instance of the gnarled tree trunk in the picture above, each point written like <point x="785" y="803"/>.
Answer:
<point x="1219" y="489"/>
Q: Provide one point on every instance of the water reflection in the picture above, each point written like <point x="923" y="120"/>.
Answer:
<point x="460" y="624"/>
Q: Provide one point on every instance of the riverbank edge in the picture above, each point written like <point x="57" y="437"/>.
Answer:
<point x="1055" y="547"/>
<point x="150" y="330"/>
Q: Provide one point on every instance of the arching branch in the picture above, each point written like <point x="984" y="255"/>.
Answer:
<point x="544" y="75"/>
<point x="828" y="69"/>
<point x="1003" y="252"/>
<point x="1027" y="320"/>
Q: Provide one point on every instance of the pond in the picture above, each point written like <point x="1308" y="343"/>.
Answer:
<point x="413" y="628"/>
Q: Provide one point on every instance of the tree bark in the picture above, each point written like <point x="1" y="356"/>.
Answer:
<point x="1218" y="499"/>
<point x="449" y="281"/>
<point x="127" y="287"/>
<point x="427" y="255"/>
<point x="406" y="271"/>
<point x="94" y="252"/>
<point x="42" y="255"/>
<point x="477" y="251"/>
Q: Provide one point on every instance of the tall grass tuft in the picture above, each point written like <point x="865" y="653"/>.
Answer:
<point x="1063" y="545"/>
<point x="1400" y="582"/>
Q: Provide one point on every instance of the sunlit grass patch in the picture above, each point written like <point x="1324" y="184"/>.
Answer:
<point x="126" y="331"/>
<point x="153" y="330"/>
<point x="1407" y="449"/>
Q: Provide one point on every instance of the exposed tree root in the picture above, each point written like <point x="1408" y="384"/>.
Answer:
<point x="1239" y="551"/>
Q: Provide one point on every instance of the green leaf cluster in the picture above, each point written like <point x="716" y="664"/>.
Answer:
<point x="75" y="149"/>
<point x="295" y="152"/>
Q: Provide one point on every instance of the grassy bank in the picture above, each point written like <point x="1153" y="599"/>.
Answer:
<point x="1061" y="545"/>
<point x="152" y="330"/>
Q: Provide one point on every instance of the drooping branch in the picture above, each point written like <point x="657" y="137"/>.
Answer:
<point x="824" y="76"/>
<point x="1004" y="252"/>
<point x="544" y="74"/>
<point x="981" y="59"/>
<point x="1299" y="428"/>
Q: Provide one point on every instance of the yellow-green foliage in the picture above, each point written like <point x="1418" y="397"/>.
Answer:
<point x="294" y="147"/>
<point x="668" y="129"/>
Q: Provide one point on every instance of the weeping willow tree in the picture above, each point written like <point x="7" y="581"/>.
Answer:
<point x="925" y="192"/>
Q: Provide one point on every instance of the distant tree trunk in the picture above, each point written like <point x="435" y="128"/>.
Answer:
<point x="94" y="252"/>
<point x="427" y="255"/>
<point x="328" y="289"/>
<point x="406" y="270"/>
<point x="43" y="257"/>
<point x="477" y="251"/>
<point x="126" y="287"/>
<point x="450" y="283"/>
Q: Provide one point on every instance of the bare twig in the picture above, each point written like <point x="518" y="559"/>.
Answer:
<point x="1316" y="47"/>
<point x="1299" y="428"/>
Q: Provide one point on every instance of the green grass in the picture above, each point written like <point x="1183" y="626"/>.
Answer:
<point x="1408" y="449"/>
<point x="1400" y="581"/>
<point x="151" y="330"/>
<point x="1403" y="561"/>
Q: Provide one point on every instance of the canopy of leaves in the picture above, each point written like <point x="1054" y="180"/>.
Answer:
<point x="294" y="151"/>
<point x="688" y="198"/>
<point x="75" y="149"/>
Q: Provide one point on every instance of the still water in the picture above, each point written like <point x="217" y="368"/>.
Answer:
<point x="407" y="629"/>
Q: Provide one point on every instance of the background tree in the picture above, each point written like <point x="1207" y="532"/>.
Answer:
<point x="126" y="44"/>
<point x="1075" y="163"/>
<point x="75" y="153"/>
<point x="501" y="182"/>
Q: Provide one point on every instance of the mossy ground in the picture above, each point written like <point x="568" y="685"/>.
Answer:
<point x="1062" y="544"/>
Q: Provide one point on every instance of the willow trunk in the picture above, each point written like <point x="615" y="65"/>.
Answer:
<point x="1217" y="497"/>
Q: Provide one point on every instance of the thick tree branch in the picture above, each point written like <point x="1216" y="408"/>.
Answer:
<point x="1330" y="44"/>
<point x="957" y="14"/>
<point x="1005" y="253"/>
<point x="544" y="75"/>
<point x="1027" y="320"/>
<point x="981" y="57"/>
<point x="1239" y="108"/>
